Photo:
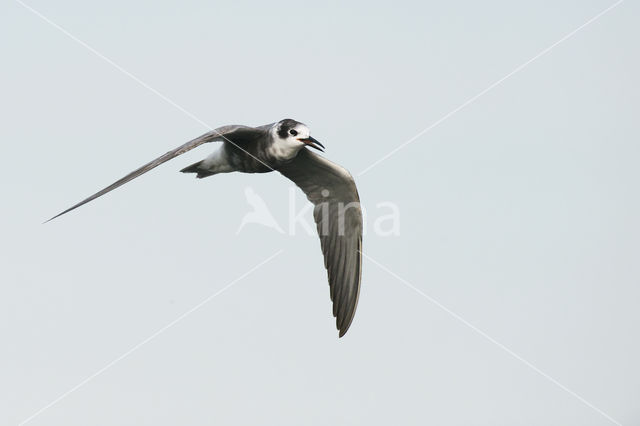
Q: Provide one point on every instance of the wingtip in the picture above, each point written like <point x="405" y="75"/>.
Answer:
<point x="343" y="331"/>
<point x="343" y="324"/>
<point x="49" y="220"/>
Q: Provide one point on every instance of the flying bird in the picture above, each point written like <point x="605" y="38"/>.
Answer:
<point x="283" y="147"/>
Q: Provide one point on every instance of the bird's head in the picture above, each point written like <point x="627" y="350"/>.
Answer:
<point x="295" y="133"/>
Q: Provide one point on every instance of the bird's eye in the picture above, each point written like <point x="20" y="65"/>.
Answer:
<point x="293" y="132"/>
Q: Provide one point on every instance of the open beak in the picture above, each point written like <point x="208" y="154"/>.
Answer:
<point x="312" y="143"/>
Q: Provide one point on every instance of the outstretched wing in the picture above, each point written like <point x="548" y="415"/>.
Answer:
<point x="338" y="217"/>
<point x="235" y="134"/>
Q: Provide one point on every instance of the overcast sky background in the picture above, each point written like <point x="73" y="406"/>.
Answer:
<point x="519" y="214"/>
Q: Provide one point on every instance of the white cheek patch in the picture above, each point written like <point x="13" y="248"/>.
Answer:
<point x="303" y="132"/>
<point x="285" y="148"/>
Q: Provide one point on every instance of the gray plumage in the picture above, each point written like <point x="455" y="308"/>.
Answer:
<point x="282" y="147"/>
<point x="339" y="221"/>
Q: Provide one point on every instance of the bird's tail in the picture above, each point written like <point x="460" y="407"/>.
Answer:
<point x="197" y="168"/>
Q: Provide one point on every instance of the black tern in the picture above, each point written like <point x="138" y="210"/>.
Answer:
<point x="282" y="147"/>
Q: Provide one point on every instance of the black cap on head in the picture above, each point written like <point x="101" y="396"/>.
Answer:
<point x="285" y="125"/>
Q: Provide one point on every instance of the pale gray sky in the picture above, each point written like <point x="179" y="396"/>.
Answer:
<point x="519" y="214"/>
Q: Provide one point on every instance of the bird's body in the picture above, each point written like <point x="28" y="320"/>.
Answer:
<point x="281" y="147"/>
<point x="248" y="150"/>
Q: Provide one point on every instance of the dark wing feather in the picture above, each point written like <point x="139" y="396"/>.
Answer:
<point x="234" y="134"/>
<point x="339" y="220"/>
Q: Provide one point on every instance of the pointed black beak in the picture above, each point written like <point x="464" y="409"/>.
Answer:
<point x="313" y="143"/>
